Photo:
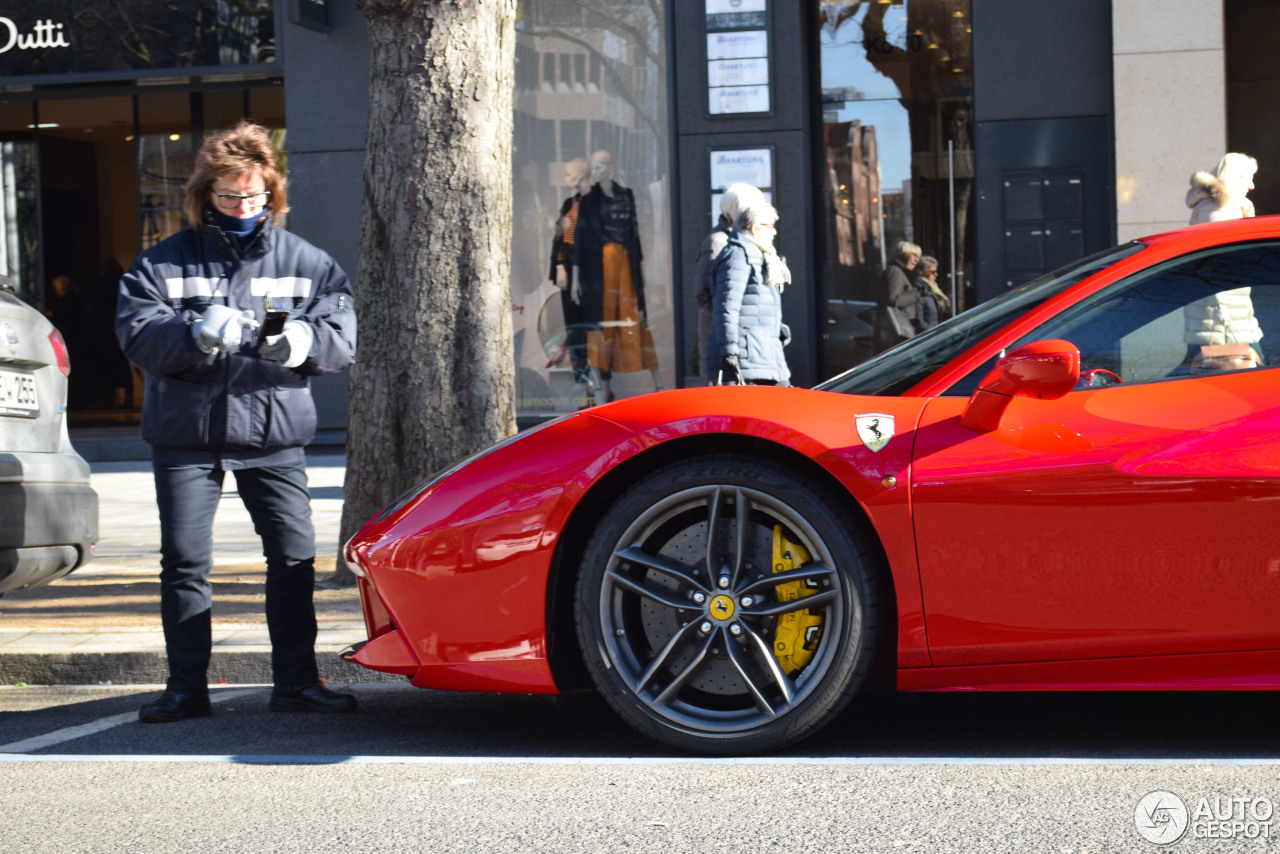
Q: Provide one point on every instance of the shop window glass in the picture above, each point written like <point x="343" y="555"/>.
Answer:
<point x="165" y="158"/>
<point x="573" y="138"/>
<point x="266" y="106"/>
<point x="898" y="124"/>
<point x="164" y="163"/>
<point x="19" y="185"/>
<point x="221" y="109"/>
<point x="609" y="333"/>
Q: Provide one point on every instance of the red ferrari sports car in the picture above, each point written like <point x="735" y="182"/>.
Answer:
<point x="1065" y="488"/>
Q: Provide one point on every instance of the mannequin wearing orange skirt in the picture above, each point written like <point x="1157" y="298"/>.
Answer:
<point x="608" y="282"/>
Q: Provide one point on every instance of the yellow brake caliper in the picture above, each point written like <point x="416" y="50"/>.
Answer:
<point x="796" y="636"/>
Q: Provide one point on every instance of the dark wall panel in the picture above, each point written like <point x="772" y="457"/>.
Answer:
<point x="792" y="196"/>
<point x="797" y="183"/>
<point x="1046" y="195"/>
<point x="1045" y="158"/>
<point x="1041" y="60"/>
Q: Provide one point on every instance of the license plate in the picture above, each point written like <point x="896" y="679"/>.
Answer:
<point x="18" y="394"/>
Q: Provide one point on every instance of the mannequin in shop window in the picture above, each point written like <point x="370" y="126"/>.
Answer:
<point x="607" y="281"/>
<point x="577" y="177"/>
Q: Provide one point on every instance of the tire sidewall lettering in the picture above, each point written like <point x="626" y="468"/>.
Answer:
<point x="728" y="471"/>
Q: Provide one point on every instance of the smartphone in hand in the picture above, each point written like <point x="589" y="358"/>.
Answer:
<point x="273" y="325"/>
<point x="277" y="313"/>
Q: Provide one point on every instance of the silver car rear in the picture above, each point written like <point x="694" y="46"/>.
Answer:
<point x="48" y="511"/>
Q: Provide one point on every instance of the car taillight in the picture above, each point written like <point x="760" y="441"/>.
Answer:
<point x="60" y="351"/>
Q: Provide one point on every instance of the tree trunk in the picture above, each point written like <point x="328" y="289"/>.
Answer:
<point x="434" y="376"/>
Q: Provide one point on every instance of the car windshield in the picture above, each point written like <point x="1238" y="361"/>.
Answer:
<point x="895" y="371"/>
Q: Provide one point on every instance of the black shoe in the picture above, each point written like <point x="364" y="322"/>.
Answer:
<point x="310" y="698"/>
<point x="175" y="706"/>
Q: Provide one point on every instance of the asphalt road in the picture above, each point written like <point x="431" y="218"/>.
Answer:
<point x="427" y="771"/>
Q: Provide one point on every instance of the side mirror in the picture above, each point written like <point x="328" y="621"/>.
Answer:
<point x="1042" y="369"/>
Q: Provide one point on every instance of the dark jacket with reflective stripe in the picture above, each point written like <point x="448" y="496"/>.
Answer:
<point x="233" y="409"/>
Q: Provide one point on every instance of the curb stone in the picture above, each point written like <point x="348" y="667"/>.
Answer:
<point x="124" y="668"/>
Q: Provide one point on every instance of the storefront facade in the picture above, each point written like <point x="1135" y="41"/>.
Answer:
<point x="855" y="119"/>
<point x="989" y="133"/>
<point x="102" y="109"/>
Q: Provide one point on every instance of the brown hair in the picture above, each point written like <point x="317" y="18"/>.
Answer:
<point x="230" y="153"/>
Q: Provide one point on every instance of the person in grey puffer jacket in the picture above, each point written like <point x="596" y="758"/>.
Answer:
<point x="736" y="197"/>
<point x="218" y="399"/>
<point x="747" y="332"/>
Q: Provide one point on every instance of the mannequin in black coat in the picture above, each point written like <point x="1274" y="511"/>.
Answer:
<point x="576" y="177"/>
<point x="608" y="281"/>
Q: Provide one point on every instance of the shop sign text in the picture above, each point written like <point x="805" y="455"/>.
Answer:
<point x="44" y="34"/>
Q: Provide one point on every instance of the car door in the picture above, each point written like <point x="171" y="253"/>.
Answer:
<point x="1136" y="518"/>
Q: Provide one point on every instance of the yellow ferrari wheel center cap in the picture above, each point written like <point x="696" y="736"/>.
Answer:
<point x="722" y="608"/>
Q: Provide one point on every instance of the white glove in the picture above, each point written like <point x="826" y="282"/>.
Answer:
<point x="219" y="329"/>
<point x="290" y="347"/>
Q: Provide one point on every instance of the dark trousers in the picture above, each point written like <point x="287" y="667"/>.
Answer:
<point x="280" y="505"/>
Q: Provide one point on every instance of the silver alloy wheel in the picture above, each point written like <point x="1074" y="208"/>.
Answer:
<point x="689" y="609"/>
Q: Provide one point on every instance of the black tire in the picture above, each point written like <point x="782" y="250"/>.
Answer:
<point x="689" y="657"/>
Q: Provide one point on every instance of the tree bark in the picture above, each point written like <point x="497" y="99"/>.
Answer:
<point x="434" y="376"/>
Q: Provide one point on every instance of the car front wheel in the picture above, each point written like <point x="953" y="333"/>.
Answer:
<point x="724" y="606"/>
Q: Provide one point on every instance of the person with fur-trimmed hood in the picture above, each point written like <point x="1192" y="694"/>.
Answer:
<point x="1221" y="194"/>
<point x="1221" y="330"/>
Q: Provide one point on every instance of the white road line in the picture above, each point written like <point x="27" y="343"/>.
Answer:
<point x="40" y="742"/>
<point x="569" y="761"/>
<point x="58" y="736"/>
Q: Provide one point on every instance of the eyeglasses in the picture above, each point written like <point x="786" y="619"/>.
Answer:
<point x="772" y="225"/>
<point x="231" y="201"/>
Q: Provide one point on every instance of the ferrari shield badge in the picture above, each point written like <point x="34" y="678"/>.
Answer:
<point x="874" y="430"/>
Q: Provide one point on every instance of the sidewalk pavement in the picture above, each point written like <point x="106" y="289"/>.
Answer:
<point x="101" y="623"/>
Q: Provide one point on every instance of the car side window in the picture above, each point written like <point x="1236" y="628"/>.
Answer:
<point x="1214" y="311"/>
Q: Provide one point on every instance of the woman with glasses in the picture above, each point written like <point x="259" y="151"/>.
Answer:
<point x="933" y="304"/>
<point x="228" y="320"/>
